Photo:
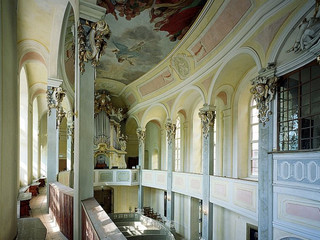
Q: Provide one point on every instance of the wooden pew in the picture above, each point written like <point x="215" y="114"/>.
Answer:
<point x="34" y="188"/>
<point x="24" y="199"/>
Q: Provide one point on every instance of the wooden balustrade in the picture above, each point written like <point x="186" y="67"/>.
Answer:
<point x="61" y="207"/>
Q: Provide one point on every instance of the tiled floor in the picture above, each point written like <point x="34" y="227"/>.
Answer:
<point x="38" y="207"/>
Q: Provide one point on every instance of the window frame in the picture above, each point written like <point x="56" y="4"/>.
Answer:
<point x="253" y="107"/>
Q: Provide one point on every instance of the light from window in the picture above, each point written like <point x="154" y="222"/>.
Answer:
<point x="254" y="138"/>
<point x="214" y="147"/>
<point x="178" y="145"/>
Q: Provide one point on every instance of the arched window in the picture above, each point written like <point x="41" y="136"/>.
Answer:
<point x="23" y="128"/>
<point x="177" y="165"/>
<point x="254" y="139"/>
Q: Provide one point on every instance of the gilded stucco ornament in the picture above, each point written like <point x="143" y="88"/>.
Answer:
<point x="55" y="97"/>
<point x="263" y="90"/>
<point x="207" y="115"/>
<point x="181" y="65"/>
<point x="123" y="142"/>
<point x="70" y="129"/>
<point x="141" y="136"/>
<point x="171" y="131"/>
<point x="92" y="42"/>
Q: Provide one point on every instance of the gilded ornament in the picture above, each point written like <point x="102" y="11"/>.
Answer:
<point x="263" y="90"/>
<point x="171" y="131"/>
<point x="141" y="136"/>
<point x="92" y="43"/>
<point x="207" y="116"/>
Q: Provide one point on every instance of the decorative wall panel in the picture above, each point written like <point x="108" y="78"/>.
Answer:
<point x="116" y="177"/>
<point x="300" y="169"/>
<point x="187" y="184"/>
<point x="238" y="195"/>
<point x="154" y="179"/>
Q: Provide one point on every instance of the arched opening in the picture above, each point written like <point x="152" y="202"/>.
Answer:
<point x="35" y="140"/>
<point x="152" y="145"/>
<point x="23" y="167"/>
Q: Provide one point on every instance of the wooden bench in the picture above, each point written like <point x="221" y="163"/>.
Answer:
<point x="34" y="188"/>
<point x="24" y="204"/>
<point x="42" y="181"/>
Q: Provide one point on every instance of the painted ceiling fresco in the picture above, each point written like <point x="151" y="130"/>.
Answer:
<point x="143" y="32"/>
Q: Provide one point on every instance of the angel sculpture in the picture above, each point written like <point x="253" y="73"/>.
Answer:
<point x="123" y="53"/>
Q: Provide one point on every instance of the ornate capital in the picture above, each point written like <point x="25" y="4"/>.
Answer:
<point x="263" y="90"/>
<point x="55" y="96"/>
<point x="141" y="136"/>
<point x="171" y="131"/>
<point x="207" y="115"/>
<point x="92" y="42"/>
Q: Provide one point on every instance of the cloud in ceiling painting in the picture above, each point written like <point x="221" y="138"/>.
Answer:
<point x="143" y="32"/>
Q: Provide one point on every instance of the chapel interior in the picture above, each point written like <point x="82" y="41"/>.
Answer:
<point x="160" y="119"/>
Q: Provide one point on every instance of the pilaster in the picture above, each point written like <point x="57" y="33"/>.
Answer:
<point x="207" y="115"/>
<point x="227" y="144"/>
<point x="263" y="90"/>
<point x="53" y="132"/>
<point x="171" y="130"/>
<point x="141" y="137"/>
<point x="9" y="119"/>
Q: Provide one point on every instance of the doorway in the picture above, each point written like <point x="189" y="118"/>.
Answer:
<point x="105" y="198"/>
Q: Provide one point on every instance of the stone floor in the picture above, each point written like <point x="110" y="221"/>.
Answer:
<point x="38" y="207"/>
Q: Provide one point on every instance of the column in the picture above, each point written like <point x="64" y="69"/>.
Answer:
<point x="9" y="119"/>
<point x="83" y="144"/>
<point x="263" y="90"/>
<point x="207" y="115"/>
<point x="89" y="48"/>
<point x="171" y="130"/>
<point x="141" y="137"/>
<point x="227" y="144"/>
<point x="52" y="133"/>
<point x="70" y="134"/>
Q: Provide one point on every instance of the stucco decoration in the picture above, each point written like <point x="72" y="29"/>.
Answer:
<point x="207" y="115"/>
<point x="309" y="32"/>
<point x="55" y="96"/>
<point x="263" y="90"/>
<point x="159" y="81"/>
<point x="181" y="65"/>
<point x="141" y="136"/>
<point x="171" y="131"/>
<point x="219" y="29"/>
<point x="92" y="42"/>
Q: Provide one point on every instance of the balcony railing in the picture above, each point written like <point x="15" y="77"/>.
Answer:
<point x="116" y="177"/>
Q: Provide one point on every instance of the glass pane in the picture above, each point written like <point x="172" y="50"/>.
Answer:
<point x="255" y="146"/>
<point x="255" y="154"/>
<point x="305" y="111"/>
<point x="305" y="88"/>
<point x="305" y="75"/>
<point x="315" y="108"/>
<point x="316" y="131"/>
<point x="315" y="84"/>
<point x="255" y="133"/>
<point x="293" y="80"/>
<point x="305" y="144"/>
<point x="316" y="143"/>
<point x="315" y="96"/>
<point x="305" y="100"/>
<point x="315" y="72"/>
<point x="305" y="133"/>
